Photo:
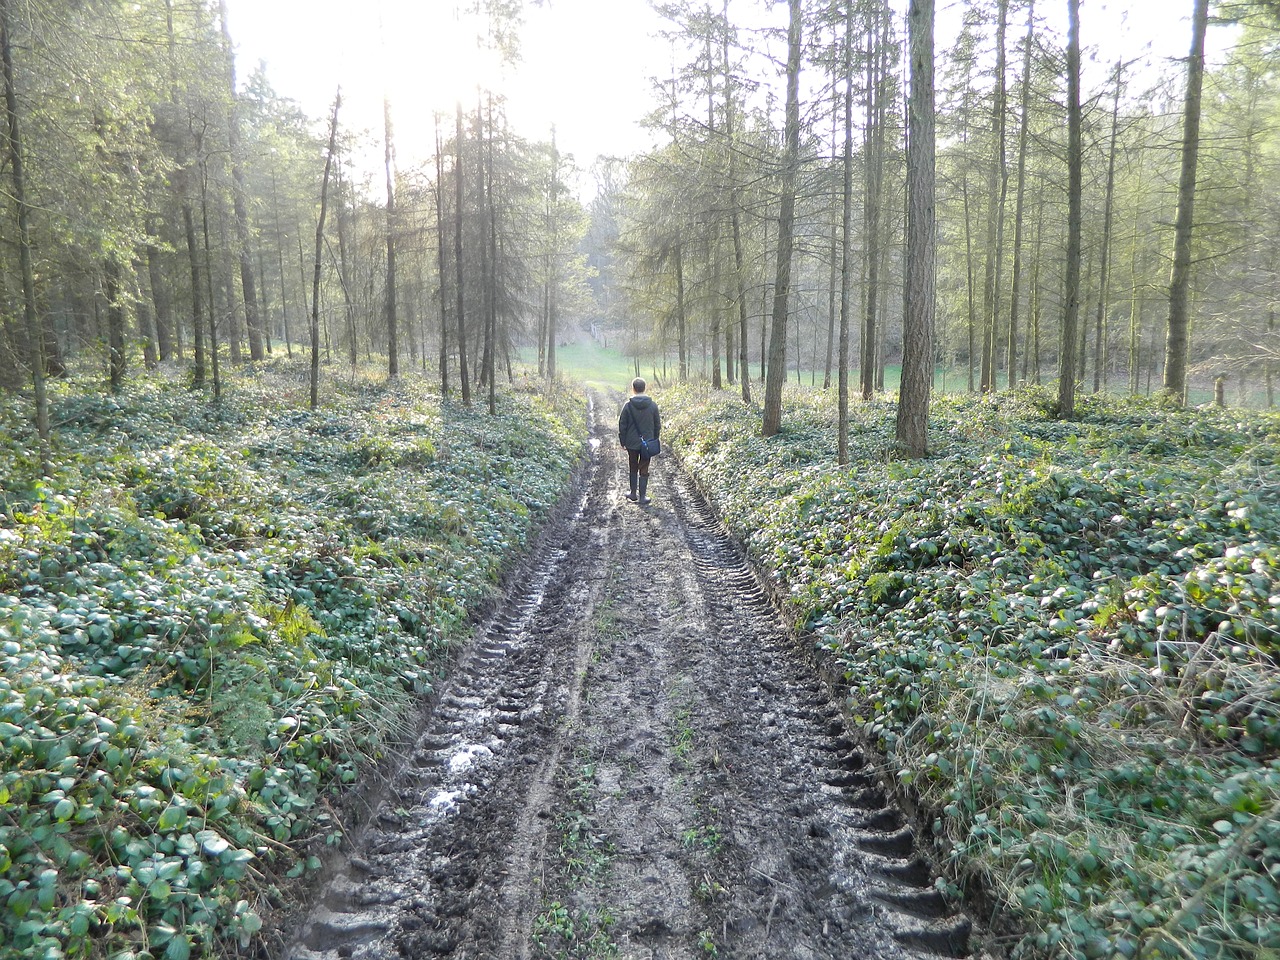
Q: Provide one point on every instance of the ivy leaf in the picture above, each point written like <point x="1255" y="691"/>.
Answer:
<point x="173" y="818"/>
<point x="179" y="948"/>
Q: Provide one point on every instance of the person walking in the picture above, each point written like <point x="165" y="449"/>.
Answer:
<point x="639" y="420"/>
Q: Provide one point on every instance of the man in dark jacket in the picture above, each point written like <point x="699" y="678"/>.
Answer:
<point x="639" y="420"/>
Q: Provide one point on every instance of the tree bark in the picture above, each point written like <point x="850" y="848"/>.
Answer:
<point x="872" y="203"/>
<point x="197" y="287"/>
<point x="551" y="278"/>
<point x="1071" y="315"/>
<point x="846" y="232"/>
<point x="440" y="267"/>
<point x="1033" y="349"/>
<point x="917" y="333"/>
<point x="1024" y="126"/>
<point x="117" y="357"/>
<point x="772" y="416"/>
<point x="457" y="258"/>
<point x="1104" y="276"/>
<point x="735" y="202"/>
<point x="280" y="238"/>
<point x="1176" y="344"/>
<point x="340" y="218"/>
<point x="997" y="187"/>
<point x="315" y="276"/>
<point x="253" y="320"/>
<point x="681" y="319"/>
<point x="833" y="275"/>
<point x="208" y="276"/>
<point x="161" y="301"/>
<point x="491" y="350"/>
<point x="389" y="160"/>
<point x="972" y="325"/>
<point x="30" y="315"/>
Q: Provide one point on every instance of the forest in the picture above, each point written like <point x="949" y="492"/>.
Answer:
<point x="968" y="338"/>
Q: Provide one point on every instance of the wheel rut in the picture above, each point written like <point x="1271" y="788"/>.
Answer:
<point x="633" y="759"/>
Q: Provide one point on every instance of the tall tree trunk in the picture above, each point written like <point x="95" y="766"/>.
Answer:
<point x="161" y="301"/>
<point x="766" y="296"/>
<point x="197" y="288"/>
<point x="917" y="326"/>
<point x="872" y="203"/>
<point x="440" y="267"/>
<point x="833" y="275"/>
<point x="716" y="310"/>
<point x="970" y="285"/>
<point x="253" y="320"/>
<point x="17" y="169"/>
<point x="1033" y="334"/>
<point x="1071" y="314"/>
<point x="280" y="238"/>
<point x="304" y="279"/>
<point x="227" y="289"/>
<point x="997" y="187"/>
<point x="772" y="416"/>
<point x="552" y="279"/>
<point x="486" y="284"/>
<point x="681" y="319"/>
<point x="491" y="350"/>
<point x="735" y="203"/>
<point x="150" y="351"/>
<point x="315" y="276"/>
<point x="146" y="328"/>
<point x="344" y="275"/>
<point x="208" y="276"/>
<point x="1273" y="345"/>
<point x="115" y="324"/>
<point x="389" y="157"/>
<point x="846" y="235"/>
<point x="182" y="187"/>
<point x="1176" y="345"/>
<point x="457" y="258"/>
<point x="1270" y="363"/>
<point x="1104" y="276"/>
<point x="1024" y="126"/>
<point x="265" y="304"/>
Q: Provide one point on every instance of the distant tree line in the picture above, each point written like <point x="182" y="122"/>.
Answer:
<point x="1170" y="271"/>
<point x="1107" y="232"/>
<point x="163" y="213"/>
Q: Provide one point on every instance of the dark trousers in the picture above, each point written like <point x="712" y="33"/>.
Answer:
<point x="638" y="463"/>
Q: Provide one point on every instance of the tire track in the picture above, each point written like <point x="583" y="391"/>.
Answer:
<point x="635" y="759"/>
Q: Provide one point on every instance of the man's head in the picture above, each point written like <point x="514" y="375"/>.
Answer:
<point x="638" y="385"/>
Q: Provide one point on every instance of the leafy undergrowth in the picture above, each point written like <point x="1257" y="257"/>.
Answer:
<point x="1065" y="635"/>
<point x="215" y="616"/>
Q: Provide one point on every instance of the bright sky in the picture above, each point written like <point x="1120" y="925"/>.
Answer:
<point x="582" y="71"/>
<point x="586" y="64"/>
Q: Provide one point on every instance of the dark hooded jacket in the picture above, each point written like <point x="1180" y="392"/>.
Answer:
<point x="639" y="417"/>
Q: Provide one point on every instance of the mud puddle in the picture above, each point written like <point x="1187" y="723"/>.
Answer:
<point x="633" y="760"/>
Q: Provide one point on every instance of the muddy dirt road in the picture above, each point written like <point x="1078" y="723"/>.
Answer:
<point x="633" y="760"/>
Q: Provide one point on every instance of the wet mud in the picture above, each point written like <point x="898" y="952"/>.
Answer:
<point x="633" y="759"/>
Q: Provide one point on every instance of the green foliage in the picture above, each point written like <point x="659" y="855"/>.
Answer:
<point x="565" y="933"/>
<point x="1064" y="634"/>
<point x="213" y="617"/>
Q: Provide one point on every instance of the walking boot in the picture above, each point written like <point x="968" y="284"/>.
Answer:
<point x="644" y="485"/>
<point x="632" y="495"/>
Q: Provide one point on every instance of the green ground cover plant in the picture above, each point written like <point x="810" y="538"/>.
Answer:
<point x="214" y="616"/>
<point x="1065" y="636"/>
